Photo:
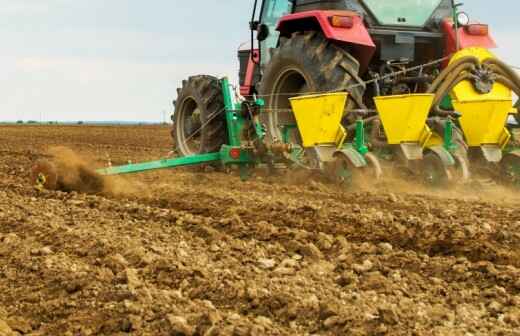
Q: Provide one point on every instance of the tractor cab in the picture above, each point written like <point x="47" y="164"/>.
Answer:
<point x="268" y="35"/>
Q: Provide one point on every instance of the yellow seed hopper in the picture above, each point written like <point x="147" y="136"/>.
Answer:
<point x="319" y="118"/>
<point x="483" y="115"/>
<point x="404" y="121"/>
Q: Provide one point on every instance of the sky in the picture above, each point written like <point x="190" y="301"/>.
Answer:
<point x="123" y="59"/>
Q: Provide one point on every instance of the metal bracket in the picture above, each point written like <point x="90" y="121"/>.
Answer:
<point x="449" y="145"/>
<point x="492" y="153"/>
<point x="445" y="156"/>
<point x="412" y="151"/>
<point x="425" y="136"/>
<point x="359" y="139"/>
<point x="357" y="159"/>
<point x="504" y="138"/>
<point x="341" y="137"/>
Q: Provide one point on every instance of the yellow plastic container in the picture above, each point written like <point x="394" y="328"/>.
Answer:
<point x="484" y="116"/>
<point x="483" y="121"/>
<point x="404" y="117"/>
<point x="319" y="117"/>
<point x="465" y="92"/>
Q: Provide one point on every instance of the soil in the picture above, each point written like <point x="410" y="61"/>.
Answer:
<point x="198" y="252"/>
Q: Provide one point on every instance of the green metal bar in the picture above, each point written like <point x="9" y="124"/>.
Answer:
<point x="455" y="14"/>
<point x="160" y="164"/>
<point x="359" y="141"/>
<point x="448" y="136"/>
<point x="259" y="129"/>
<point x="231" y="119"/>
<point x="286" y="129"/>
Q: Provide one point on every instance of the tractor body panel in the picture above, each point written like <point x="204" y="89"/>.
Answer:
<point x="249" y="71"/>
<point x="466" y="40"/>
<point x="358" y="34"/>
<point x="382" y="32"/>
<point x="357" y="37"/>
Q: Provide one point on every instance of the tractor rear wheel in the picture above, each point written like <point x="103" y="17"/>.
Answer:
<point x="305" y="63"/>
<point x="199" y="119"/>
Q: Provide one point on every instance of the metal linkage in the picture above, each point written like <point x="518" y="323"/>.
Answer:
<point x="370" y="81"/>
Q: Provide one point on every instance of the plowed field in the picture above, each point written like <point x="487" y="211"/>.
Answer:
<point x="191" y="252"/>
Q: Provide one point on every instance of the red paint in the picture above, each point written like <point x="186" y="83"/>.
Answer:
<point x="357" y="35"/>
<point x="466" y="39"/>
<point x="247" y="88"/>
<point x="234" y="153"/>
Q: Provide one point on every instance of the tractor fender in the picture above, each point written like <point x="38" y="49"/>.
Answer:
<point x="357" y="36"/>
<point x="466" y="40"/>
<point x="353" y="156"/>
<point x="443" y="154"/>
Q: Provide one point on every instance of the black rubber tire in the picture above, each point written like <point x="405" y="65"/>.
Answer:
<point x="322" y="64"/>
<point x="205" y="94"/>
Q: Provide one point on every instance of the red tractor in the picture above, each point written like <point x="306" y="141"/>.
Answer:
<point x="368" y="48"/>
<point x="338" y="86"/>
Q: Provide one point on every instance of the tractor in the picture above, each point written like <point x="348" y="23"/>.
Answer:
<point x="348" y="88"/>
<point x="385" y="55"/>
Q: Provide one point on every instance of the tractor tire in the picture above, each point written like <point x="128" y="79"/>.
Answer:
<point x="306" y="63"/>
<point x="199" y="124"/>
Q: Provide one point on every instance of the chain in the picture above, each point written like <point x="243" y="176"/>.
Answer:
<point x="364" y="83"/>
<point x="390" y="75"/>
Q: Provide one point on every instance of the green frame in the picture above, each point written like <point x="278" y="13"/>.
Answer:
<point x="235" y="124"/>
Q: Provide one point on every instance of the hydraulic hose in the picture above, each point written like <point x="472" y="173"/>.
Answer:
<point x="506" y="76"/>
<point x="450" y="69"/>
<point x="462" y="70"/>
<point x="508" y="83"/>
<point x="504" y="69"/>
<point x="451" y="75"/>
<point x="447" y="87"/>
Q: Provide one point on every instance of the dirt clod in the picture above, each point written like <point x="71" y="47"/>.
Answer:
<point x="5" y="330"/>
<point x="179" y="326"/>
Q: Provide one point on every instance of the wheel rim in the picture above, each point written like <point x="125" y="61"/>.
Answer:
<point x="343" y="171"/>
<point x="433" y="170"/>
<point x="290" y="83"/>
<point x="189" y="127"/>
<point x="347" y="174"/>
